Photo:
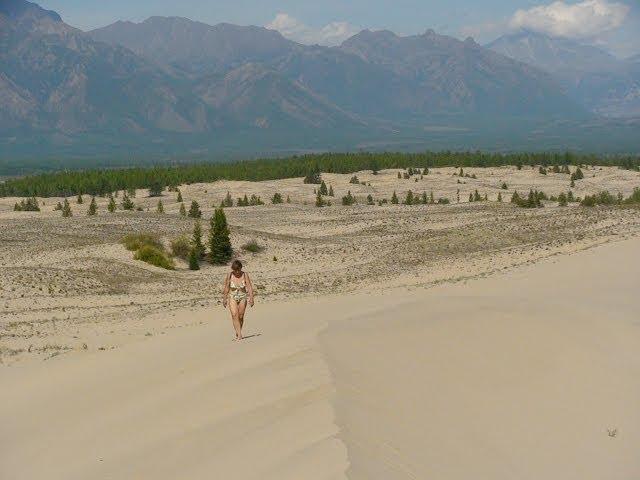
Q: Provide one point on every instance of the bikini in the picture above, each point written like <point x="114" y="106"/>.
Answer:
<point x="237" y="292"/>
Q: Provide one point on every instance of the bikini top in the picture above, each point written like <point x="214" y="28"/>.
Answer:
<point x="234" y="286"/>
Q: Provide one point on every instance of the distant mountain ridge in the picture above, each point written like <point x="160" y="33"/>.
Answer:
<point x="170" y="83"/>
<point x="592" y="77"/>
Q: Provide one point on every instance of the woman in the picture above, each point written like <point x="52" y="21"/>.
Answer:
<point x="238" y="291"/>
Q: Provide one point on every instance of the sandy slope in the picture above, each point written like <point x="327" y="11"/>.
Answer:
<point x="514" y="376"/>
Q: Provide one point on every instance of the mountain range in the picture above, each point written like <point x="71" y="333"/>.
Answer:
<point x="175" y="86"/>
<point x="592" y="77"/>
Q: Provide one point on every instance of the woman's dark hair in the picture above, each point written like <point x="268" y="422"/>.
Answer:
<point x="236" y="265"/>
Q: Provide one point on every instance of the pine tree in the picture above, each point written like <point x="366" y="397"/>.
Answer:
<point x="111" y="207"/>
<point x="370" y="200"/>
<point x="330" y="194"/>
<point x="409" y="198"/>
<point x="288" y="199"/>
<point x="277" y="198"/>
<point x="156" y="188"/>
<point x="431" y="198"/>
<point x="323" y="188"/>
<point x="477" y="197"/>
<point x="562" y="200"/>
<point x="194" y="210"/>
<point x="399" y="175"/>
<point x="93" y="207"/>
<point x="179" y="199"/>
<point x="79" y="200"/>
<point x="196" y="239"/>
<point x="127" y="203"/>
<point x="470" y="197"/>
<point x="194" y="260"/>
<point x="500" y="196"/>
<point x="160" y="208"/>
<point x="183" y="210"/>
<point x="394" y="198"/>
<point x="319" y="200"/>
<point x="423" y="198"/>
<point x="220" y="250"/>
<point x="66" y="209"/>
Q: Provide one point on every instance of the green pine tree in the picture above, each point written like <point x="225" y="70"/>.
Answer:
<point x="183" y="210"/>
<point x="179" y="199"/>
<point x="93" y="207"/>
<point x="394" y="198"/>
<point x="160" y="208"/>
<point x="409" y="198"/>
<point x="127" y="203"/>
<point x="323" y="189"/>
<point x="194" y="260"/>
<point x="220" y="250"/>
<point x="196" y="239"/>
<point x="194" y="210"/>
<point x="111" y="207"/>
<point x="79" y="200"/>
<point x="277" y="198"/>
<point x="66" y="209"/>
<point x="319" y="200"/>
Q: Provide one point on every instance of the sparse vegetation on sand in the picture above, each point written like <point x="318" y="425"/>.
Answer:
<point x="28" y="205"/>
<point x="101" y="182"/>
<point x="154" y="256"/>
<point x="181" y="247"/>
<point x="252" y="246"/>
<point x="136" y="241"/>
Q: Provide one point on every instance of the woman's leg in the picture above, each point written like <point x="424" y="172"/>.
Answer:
<point x="233" y="307"/>
<point x="242" y="306"/>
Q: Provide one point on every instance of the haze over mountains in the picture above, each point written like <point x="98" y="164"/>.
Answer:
<point x="594" y="78"/>
<point x="172" y="85"/>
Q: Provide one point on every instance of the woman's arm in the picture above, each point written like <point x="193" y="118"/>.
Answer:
<point x="225" y="291"/>
<point x="249" y="290"/>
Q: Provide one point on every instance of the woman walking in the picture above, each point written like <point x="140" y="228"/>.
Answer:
<point x="238" y="291"/>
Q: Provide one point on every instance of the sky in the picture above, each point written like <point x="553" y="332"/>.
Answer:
<point x="611" y="24"/>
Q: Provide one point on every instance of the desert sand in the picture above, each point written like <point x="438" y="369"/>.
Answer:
<point x="529" y="374"/>
<point x="476" y="341"/>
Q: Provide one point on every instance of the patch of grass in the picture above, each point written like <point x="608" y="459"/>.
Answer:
<point x="135" y="241"/>
<point x="252" y="246"/>
<point x="154" y="256"/>
<point x="181" y="247"/>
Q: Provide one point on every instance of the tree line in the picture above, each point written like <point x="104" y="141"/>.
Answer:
<point x="104" y="181"/>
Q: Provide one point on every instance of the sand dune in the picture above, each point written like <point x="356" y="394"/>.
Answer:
<point x="514" y="376"/>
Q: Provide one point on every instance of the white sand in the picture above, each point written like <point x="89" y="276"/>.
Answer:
<point x="516" y="376"/>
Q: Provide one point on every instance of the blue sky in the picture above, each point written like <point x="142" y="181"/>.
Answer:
<point x="612" y="24"/>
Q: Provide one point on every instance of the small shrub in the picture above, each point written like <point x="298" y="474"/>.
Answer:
<point x="136" y="241"/>
<point x="252" y="246"/>
<point x="348" y="199"/>
<point x="181" y="247"/>
<point x="277" y="198"/>
<point x="354" y="180"/>
<point x="154" y="256"/>
<point x="313" y="177"/>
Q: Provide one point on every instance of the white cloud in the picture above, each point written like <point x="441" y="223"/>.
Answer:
<point x="586" y="19"/>
<point x="331" y="34"/>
